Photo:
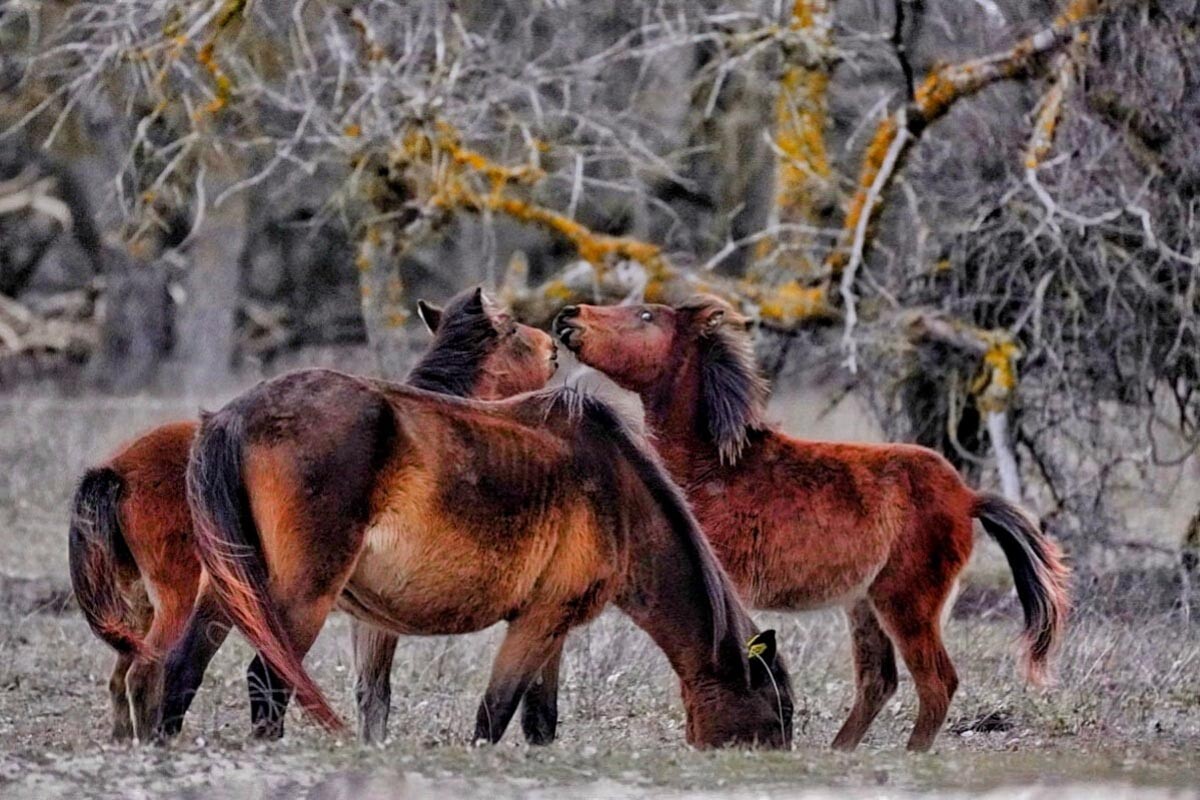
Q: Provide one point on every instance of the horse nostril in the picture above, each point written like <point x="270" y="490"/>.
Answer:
<point x="568" y="312"/>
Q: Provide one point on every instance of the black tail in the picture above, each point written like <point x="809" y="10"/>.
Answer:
<point x="97" y="551"/>
<point x="1040" y="574"/>
<point x="671" y="502"/>
<point x="230" y="548"/>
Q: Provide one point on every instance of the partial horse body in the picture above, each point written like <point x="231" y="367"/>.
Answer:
<point x="423" y="514"/>
<point x="881" y="530"/>
<point x="134" y="566"/>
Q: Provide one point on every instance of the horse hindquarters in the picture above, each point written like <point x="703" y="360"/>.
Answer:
<point x="280" y="508"/>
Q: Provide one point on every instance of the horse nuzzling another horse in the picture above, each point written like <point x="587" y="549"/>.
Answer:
<point x="134" y="567"/>
<point x="881" y="529"/>
<point x="423" y="514"/>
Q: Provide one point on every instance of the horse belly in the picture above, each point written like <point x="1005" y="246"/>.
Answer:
<point x="421" y="576"/>
<point x="792" y="557"/>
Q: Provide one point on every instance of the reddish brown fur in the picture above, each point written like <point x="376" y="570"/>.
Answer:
<point x="425" y="514"/>
<point x="883" y="530"/>
<point x="140" y="605"/>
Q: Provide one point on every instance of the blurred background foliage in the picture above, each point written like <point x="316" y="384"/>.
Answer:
<point x="978" y="220"/>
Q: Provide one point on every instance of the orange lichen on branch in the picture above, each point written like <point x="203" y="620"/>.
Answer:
<point x="598" y="249"/>
<point x="454" y="184"/>
<point x="222" y="84"/>
<point x="229" y="11"/>
<point x="997" y="379"/>
<point x="933" y="97"/>
<point x="789" y="304"/>
<point x="1049" y="109"/>
<point x="947" y="83"/>
<point x="801" y="108"/>
<point x="1075" y="12"/>
<point x="449" y="142"/>
<point x="873" y="159"/>
<point x="801" y="116"/>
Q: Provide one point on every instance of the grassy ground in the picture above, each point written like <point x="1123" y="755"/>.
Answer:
<point x="1126" y="712"/>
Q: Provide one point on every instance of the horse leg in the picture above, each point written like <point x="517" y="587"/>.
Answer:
<point x="269" y="696"/>
<point x="874" y="674"/>
<point x="914" y="627"/>
<point x="539" y="706"/>
<point x="374" y="650"/>
<point x="146" y="677"/>
<point x="527" y="645"/>
<point x="122" y="729"/>
<point x="183" y="669"/>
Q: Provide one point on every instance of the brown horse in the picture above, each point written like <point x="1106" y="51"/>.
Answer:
<point x="882" y="530"/>
<point x="423" y="514"/>
<point x="134" y="566"/>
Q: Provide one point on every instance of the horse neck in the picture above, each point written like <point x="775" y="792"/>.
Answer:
<point x="666" y="596"/>
<point x="674" y="414"/>
<point x="429" y="374"/>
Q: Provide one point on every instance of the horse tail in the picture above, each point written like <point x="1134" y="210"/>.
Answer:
<point x="675" y="509"/>
<point x="1041" y="576"/>
<point x="230" y="548"/>
<point x="96" y="551"/>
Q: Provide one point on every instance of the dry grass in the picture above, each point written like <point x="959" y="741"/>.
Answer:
<point x="1127" y="708"/>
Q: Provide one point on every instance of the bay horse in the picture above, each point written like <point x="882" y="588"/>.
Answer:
<point x="424" y="514"/>
<point x="882" y="530"/>
<point x="134" y="567"/>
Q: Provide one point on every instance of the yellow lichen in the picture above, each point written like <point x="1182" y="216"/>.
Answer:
<point x="558" y="290"/>
<point x="801" y="113"/>
<point x="997" y="378"/>
<point x="873" y="159"/>
<point x="935" y="94"/>
<point x="1076" y="12"/>
<point x="229" y="11"/>
<point x="790" y="303"/>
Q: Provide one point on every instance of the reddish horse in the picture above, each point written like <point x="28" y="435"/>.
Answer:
<point x="882" y="530"/>
<point x="134" y="566"/>
<point x="423" y="514"/>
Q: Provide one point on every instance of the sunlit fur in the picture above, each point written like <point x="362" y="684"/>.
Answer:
<point x="423" y="514"/>
<point x="881" y="530"/>
<point x="134" y="567"/>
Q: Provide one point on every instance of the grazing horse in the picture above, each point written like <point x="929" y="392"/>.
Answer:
<point x="423" y="514"/>
<point x="134" y="567"/>
<point x="882" y="530"/>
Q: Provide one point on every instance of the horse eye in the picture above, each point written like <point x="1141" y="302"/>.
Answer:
<point x="646" y="315"/>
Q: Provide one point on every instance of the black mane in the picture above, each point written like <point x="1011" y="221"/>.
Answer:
<point x="732" y="392"/>
<point x="464" y="339"/>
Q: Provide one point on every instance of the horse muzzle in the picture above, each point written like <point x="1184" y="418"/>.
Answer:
<point x="567" y="328"/>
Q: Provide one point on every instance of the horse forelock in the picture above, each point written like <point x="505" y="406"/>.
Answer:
<point x="464" y="340"/>
<point x="733" y="393"/>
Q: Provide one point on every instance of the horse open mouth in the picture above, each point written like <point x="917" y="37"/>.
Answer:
<point x="568" y="333"/>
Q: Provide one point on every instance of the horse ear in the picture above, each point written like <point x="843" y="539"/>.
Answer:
<point x="430" y="315"/>
<point x="762" y="645"/>
<point x="762" y="652"/>
<point x="476" y="299"/>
